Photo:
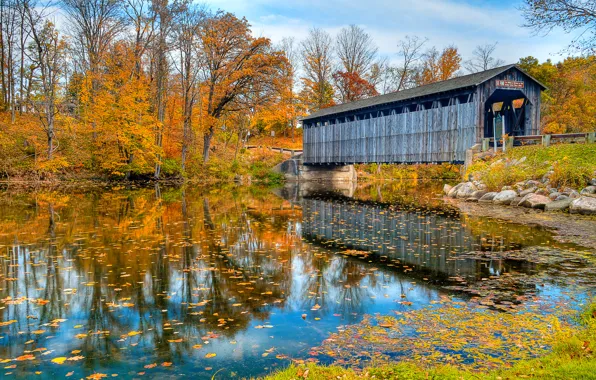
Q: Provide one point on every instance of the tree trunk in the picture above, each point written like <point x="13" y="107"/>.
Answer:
<point x="207" y="144"/>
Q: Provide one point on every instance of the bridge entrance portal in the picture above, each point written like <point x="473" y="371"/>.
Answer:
<point x="505" y="113"/>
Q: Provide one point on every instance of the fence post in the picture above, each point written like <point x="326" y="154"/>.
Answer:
<point x="509" y="142"/>
<point x="545" y="140"/>
<point x="591" y="137"/>
<point x="485" y="144"/>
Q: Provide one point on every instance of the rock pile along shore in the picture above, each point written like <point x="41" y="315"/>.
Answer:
<point x="531" y="194"/>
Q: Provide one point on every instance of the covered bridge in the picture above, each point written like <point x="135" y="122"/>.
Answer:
<point x="427" y="124"/>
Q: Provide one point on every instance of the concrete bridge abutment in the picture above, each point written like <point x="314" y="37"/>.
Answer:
<point x="295" y="171"/>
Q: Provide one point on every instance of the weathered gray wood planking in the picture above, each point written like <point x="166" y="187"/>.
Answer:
<point x="439" y="134"/>
<point x="432" y="123"/>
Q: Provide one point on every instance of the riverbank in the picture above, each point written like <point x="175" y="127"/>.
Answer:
<point x="572" y="357"/>
<point x="567" y="228"/>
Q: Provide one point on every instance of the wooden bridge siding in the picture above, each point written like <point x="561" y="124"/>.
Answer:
<point x="439" y="134"/>
<point x="412" y="238"/>
<point x="531" y="89"/>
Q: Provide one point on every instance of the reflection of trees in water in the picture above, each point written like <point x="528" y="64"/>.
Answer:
<point x="132" y="255"/>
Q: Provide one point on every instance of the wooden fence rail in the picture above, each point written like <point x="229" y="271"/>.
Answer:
<point x="292" y="152"/>
<point x="545" y="140"/>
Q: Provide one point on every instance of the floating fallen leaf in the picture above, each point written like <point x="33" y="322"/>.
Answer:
<point x="211" y="355"/>
<point x="97" y="376"/>
<point x="59" y="360"/>
<point x="25" y="357"/>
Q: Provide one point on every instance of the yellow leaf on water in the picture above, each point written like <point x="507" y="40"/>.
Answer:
<point x="59" y="360"/>
<point x="210" y="355"/>
<point x="133" y="333"/>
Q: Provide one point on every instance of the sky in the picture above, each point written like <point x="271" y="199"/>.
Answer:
<point x="464" y="23"/>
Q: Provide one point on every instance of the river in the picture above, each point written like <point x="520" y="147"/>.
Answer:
<point x="241" y="281"/>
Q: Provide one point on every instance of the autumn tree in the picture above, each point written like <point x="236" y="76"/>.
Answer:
<point x="402" y="75"/>
<point x="93" y="26"/>
<point x="439" y="66"/>
<point x="357" y="54"/>
<point x="237" y="72"/>
<point x="567" y="103"/>
<point x="483" y="59"/>
<point x="190" y="60"/>
<point x="317" y="62"/>
<point x="352" y="87"/>
<point x="283" y="114"/>
<point x="122" y="112"/>
<point x="579" y="16"/>
<point x="164" y="12"/>
<point x="47" y="50"/>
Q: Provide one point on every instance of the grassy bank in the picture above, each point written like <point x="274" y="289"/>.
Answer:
<point x="572" y="357"/>
<point x="570" y="165"/>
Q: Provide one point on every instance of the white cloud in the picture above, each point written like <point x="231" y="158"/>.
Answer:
<point x="443" y="22"/>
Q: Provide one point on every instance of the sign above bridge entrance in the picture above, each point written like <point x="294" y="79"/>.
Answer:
<point x="509" y="84"/>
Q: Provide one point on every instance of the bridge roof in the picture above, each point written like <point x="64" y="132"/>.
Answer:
<point x="457" y="83"/>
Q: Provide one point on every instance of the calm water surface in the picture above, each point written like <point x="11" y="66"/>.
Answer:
<point x="185" y="282"/>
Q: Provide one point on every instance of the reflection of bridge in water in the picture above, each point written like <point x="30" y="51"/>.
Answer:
<point x="429" y="242"/>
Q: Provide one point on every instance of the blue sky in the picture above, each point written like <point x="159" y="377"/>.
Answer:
<point x="463" y="23"/>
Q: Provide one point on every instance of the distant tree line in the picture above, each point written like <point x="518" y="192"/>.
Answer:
<point x="161" y="87"/>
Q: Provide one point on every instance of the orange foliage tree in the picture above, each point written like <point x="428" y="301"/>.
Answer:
<point x="238" y="70"/>
<point x="353" y="87"/>
<point x="437" y="66"/>
<point x="568" y="104"/>
<point x="120" y="111"/>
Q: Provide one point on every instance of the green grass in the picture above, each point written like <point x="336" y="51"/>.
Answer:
<point x="573" y="165"/>
<point x="573" y="357"/>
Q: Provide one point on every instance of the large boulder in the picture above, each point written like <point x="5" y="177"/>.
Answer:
<point x="447" y="188"/>
<point x="476" y="195"/>
<point x="583" y="205"/>
<point x="504" y="197"/>
<point x="589" y="190"/>
<point x="592" y="182"/>
<point x="466" y="190"/>
<point x="488" y="197"/>
<point x="528" y="191"/>
<point x="534" y="201"/>
<point x="453" y="192"/>
<point x="560" y="205"/>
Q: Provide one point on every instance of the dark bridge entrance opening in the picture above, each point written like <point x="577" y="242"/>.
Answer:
<point x="505" y="112"/>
